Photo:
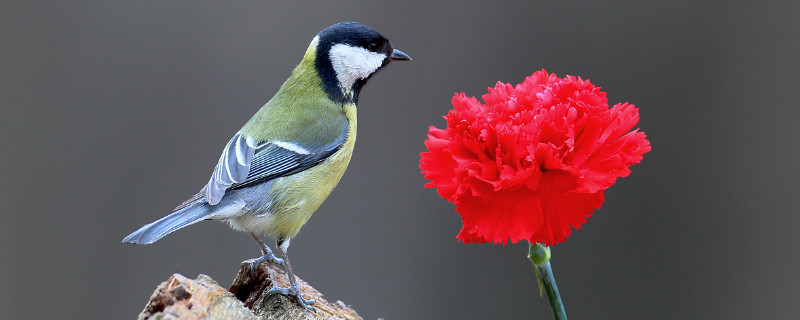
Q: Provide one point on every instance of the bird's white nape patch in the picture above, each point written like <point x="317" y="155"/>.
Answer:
<point x="354" y="63"/>
<point x="293" y="147"/>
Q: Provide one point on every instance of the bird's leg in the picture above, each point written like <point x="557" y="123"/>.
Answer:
<point x="293" y="291"/>
<point x="267" y="256"/>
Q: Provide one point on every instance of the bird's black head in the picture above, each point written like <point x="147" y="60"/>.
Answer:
<point x="348" y="54"/>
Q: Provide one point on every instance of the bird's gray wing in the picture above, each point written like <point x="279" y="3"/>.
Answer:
<point x="232" y="167"/>
<point x="246" y="162"/>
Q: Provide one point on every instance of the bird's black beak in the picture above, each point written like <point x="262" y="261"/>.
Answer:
<point x="399" y="55"/>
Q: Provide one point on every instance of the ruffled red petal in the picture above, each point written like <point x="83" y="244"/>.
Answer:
<point x="533" y="162"/>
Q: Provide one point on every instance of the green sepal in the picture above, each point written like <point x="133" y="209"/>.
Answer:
<point x="538" y="254"/>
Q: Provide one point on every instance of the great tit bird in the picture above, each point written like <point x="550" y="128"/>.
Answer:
<point x="279" y="168"/>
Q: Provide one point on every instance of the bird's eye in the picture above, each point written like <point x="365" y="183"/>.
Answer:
<point x="372" y="47"/>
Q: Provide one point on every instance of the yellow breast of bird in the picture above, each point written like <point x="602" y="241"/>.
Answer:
<point x="304" y="192"/>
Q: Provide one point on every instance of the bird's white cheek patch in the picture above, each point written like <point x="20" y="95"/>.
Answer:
<point x="354" y="63"/>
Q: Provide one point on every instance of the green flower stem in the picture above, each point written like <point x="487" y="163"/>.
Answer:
<point x="540" y="257"/>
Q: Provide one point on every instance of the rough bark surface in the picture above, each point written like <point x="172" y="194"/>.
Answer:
<point x="202" y="298"/>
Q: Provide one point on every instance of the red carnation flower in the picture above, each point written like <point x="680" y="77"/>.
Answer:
<point x="534" y="160"/>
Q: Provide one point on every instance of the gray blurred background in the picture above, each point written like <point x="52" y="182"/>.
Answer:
<point x="113" y="112"/>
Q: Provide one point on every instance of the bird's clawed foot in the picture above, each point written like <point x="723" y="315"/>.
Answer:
<point x="294" y="293"/>
<point x="266" y="256"/>
<point x="269" y="258"/>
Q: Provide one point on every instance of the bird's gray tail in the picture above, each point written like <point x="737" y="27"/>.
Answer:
<point x="187" y="214"/>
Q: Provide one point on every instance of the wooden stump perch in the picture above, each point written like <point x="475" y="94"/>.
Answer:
<point x="202" y="298"/>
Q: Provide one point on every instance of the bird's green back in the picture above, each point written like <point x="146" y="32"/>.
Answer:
<point x="301" y="111"/>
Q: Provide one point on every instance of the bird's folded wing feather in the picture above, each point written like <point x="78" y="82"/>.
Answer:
<point x="246" y="162"/>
